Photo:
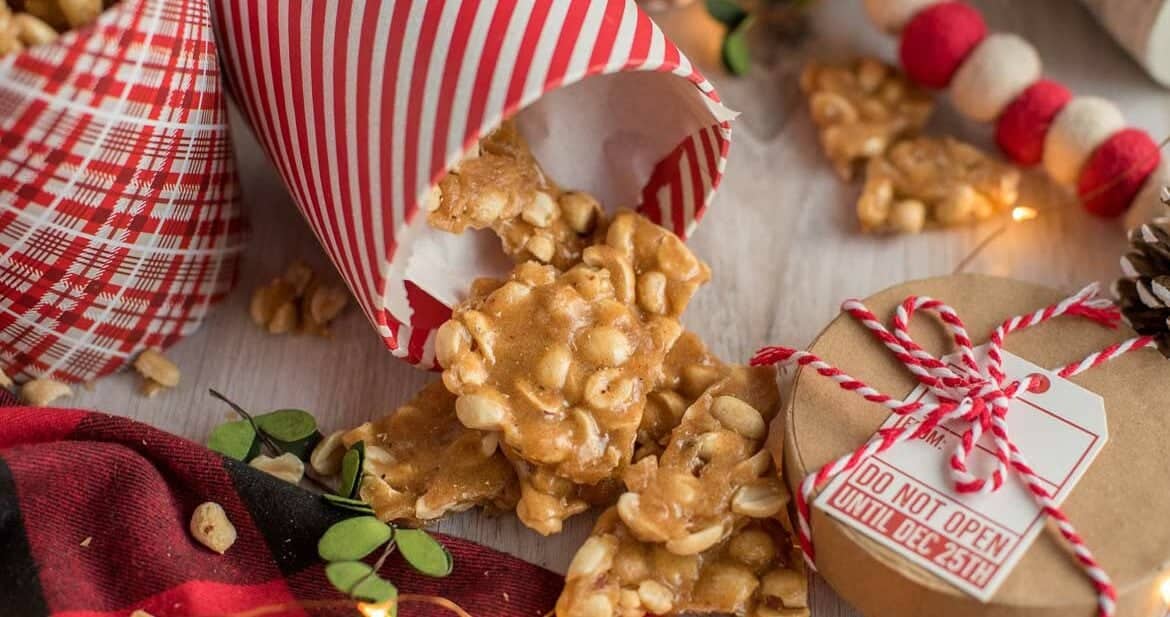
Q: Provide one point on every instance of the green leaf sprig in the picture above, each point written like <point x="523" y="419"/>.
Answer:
<point x="282" y="431"/>
<point x="348" y="541"/>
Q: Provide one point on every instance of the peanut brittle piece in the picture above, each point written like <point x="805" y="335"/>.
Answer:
<point x="755" y="572"/>
<point x="662" y="273"/>
<point x="492" y="183"/>
<point x="500" y="185"/>
<point x="422" y="463"/>
<point x="703" y="528"/>
<point x="714" y="470"/>
<point x="927" y="181"/>
<point x="546" y="232"/>
<point x="690" y="368"/>
<point x="862" y="108"/>
<point x="560" y="368"/>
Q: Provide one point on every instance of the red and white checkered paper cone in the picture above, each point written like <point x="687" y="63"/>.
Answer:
<point x="119" y="218"/>
<point x="362" y="106"/>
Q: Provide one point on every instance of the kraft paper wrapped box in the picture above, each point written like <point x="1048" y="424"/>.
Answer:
<point x="120" y="223"/>
<point x="1120" y="506"/>
<point x="363" y="106"/>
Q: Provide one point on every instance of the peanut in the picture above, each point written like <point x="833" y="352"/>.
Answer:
<point x="211" y="528"/>
<point x="41" y="392"/>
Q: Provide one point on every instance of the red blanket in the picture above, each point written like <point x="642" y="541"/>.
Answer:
<point x="93" y="522"/>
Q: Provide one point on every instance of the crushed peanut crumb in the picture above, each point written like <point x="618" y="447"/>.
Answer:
<point x="297" y="301"/>
<point x="41" y="392"/>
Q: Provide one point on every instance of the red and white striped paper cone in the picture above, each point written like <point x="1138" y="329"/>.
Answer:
<point x="362" y="106"/>
<point x="119" y="218"/>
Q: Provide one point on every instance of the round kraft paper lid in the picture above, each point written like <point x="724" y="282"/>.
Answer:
<point x="1120" y="506"/>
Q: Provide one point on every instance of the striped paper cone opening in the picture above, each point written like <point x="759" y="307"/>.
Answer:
<point x="119" y="218"/>
<point x="363" y="105"/>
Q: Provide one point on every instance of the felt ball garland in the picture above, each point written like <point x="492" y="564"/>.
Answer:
<point x="1082" y="142"/>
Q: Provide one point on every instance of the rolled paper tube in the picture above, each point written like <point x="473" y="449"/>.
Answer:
<point x="120" y="221"/>
<point x="937" y="41"/>
<point x="1000" y="68"/>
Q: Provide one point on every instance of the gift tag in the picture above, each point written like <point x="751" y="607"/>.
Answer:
<point x="905" y="499"/>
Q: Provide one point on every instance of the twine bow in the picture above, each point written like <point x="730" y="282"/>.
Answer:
<point x="973" y="394"/>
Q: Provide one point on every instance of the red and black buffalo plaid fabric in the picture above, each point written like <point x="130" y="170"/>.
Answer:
<point x="93" y="523"/>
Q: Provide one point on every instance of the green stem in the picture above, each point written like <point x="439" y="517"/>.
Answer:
<point x="389" y="548"/>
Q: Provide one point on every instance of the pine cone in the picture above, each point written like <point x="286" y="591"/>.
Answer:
<point x="1144" y="293"/>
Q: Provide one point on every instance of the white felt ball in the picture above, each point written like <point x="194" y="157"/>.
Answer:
<point x="995" y="73"/>
<point x="1085" y="123"/>
<point x="1148" y="204"/>
<point x="893" y="15"/>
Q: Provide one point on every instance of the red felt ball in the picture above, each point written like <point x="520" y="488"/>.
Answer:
<point x="1115" y="172"/>
<point x="937" y="40"/>
<point x="1024" y="123"/>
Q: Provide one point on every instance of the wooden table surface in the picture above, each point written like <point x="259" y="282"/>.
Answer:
<point x="781" y="240"/>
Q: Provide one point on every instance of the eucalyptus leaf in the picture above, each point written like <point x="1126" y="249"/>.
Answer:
<point x="357" y="580"/>
<point x="287" y="425"/>
<point x="423" y="552"/>
<point x="345" y="503"/>
<point x="351" y="470"/>
<point x="736" y="54"/>
<point x="236" y="439"/>
<point x="353" y="538"/>
<point x="728" y="12"/>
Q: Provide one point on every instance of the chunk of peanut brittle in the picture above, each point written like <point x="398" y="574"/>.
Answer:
<point x="650" y="267"/>
<point x="560" y="368"/>
<point x="501" y="186"/>
<point x="492" y="183"/>
<point x="862" y="108"/>
<point x="703" y="528"/>
<point x="690" y="368"/>
<point x="756" y="572"/>
<point x="422" y="463"/>
<point x="713" y="472"/>
<point x="927" y="181"/>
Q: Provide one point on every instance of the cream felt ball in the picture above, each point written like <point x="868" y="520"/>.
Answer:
<point x="1085" y="123"/>
<point x="893" y="15"/>
<point x="995" y="73"/>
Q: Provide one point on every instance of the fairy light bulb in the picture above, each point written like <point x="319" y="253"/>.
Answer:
<point x="1019" y="214"/>
<point x="1024" y="213"/>
<point x="373" y="610"/>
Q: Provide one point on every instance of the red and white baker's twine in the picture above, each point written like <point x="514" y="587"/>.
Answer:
<point x="973" y="393"/>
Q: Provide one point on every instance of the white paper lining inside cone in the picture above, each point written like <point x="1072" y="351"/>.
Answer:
<point x="603" y="135"/>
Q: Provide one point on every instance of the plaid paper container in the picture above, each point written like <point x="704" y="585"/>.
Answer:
<point x="363" y="104"/>
<point x="119" y="209"/>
